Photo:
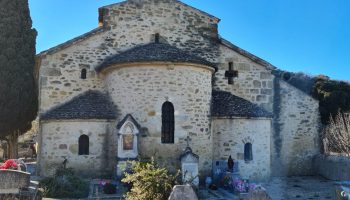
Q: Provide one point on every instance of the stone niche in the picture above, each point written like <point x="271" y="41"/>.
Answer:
<point x="128" y="132"/>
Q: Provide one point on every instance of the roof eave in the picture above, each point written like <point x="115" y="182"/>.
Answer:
<point x="200" y="11"/>
<point x="242" y="117"/>
<point x="76" y="119"/>
<point x="108" y="67"/>
<point x="71" y="42"/>
<point x="247" y="54"/>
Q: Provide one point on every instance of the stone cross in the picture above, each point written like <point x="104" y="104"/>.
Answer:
<point x="230" y="73"/>
<point x="188" y="139"/>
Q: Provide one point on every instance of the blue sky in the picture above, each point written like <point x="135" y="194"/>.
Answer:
<point x="312" y="36"/>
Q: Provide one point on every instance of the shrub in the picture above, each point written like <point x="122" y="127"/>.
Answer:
<point x="333" y="96"/>
<point x="337" y="134"/>
<point x="65" y="184"/>
<point x="148" y="181"/>
<point x="299" y="80"/>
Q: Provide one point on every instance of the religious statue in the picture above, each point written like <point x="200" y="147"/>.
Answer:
<point x="64" y="163"/>
<point x="230" y="164"/>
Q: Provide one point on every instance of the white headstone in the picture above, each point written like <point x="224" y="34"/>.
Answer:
<point x="189" y="167"/>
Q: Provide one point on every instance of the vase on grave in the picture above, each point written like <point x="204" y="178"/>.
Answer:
<point x="208" y="181"/>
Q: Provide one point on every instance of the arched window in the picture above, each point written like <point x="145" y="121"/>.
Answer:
<point x="84" y="145"/>
<point x="168" y="123"/>
<point x="248" y="152"/>
<point x="83" y="74"/>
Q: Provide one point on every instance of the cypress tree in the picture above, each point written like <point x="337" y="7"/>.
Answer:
<point x="18" y="91"/>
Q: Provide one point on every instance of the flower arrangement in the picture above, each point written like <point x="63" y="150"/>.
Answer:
<point x="9" y="164"/>
<point x="243" y="186"/>
<point x="252" y="186"/>
<point x="227" y="181"/>
<point x="108" y="187"/>
<point x="239" y="185"/>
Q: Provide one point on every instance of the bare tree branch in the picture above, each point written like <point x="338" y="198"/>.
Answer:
<point x="336" y="135"/>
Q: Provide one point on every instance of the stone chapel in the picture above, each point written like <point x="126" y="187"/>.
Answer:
<point x="156" y="75"/>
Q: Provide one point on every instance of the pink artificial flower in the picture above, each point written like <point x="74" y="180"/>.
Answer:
<point x="9" y="164"/>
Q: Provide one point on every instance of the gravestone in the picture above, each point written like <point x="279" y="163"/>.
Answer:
<point x="189" y="166"/>
<point x="259" y="193"/>
<point x="128" y="132"/>
<point x="183" y="192"/>
<point x="220" y="170"/>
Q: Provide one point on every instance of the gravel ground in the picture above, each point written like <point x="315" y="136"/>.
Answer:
<point x="301" y="187"/>
<point x="286" y="188"/>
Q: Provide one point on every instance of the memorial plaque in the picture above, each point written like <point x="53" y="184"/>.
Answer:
<point x="190" y="173"/>
<point x="189" y="166"/>
<point x="128" y="142"/>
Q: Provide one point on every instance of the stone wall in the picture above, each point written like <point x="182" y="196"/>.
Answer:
<point x="13" y="179"/>
<point x="126" y="25"/>
<point x="297" y="123"/>
<point x="254" y="82"/>
<point x="332" y="167"/>
<point x="141" y="91"/>
<point x="60" y="74"/>
<point x="229" y="137"/>
<point x="60" y="141"/>
<point x="136" y="21"/>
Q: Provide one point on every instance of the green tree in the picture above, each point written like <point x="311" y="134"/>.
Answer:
<point x="18" y="93"/>
<point x="333" y="96"/>
<point x="149" y="181"/>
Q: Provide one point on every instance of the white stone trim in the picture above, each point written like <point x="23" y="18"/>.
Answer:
<point x="133" y="130"/>
<point x="169" y="65"/>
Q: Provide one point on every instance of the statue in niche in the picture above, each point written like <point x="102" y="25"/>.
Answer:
<point x="128" y="142"/>
<point x="128" y="138"/>
<point x="230" y="164"/>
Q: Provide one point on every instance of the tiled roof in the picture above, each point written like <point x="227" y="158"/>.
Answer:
<point x="153" y="52"/>
<point x="89" y="105"/>
<point x="224" y="104"/>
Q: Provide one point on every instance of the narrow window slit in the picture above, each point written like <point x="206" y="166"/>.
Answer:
<point x="248" y="152"/>
<point x="168" y="123"/>
<point x="156" y="38"/>
<point x="83" y="74"/>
